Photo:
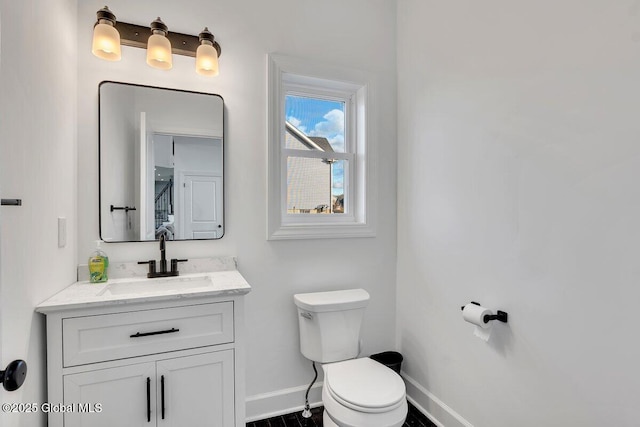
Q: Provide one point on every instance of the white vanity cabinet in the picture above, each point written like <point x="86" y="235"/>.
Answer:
<point x="193" y="390"/>
<point x="168" y="361"/>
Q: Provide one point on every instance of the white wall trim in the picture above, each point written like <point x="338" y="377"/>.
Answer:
<point x="281" y="402"/>
<point x="438" y="412"/>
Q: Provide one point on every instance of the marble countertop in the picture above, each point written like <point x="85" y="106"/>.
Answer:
<point x="136" y="290"/>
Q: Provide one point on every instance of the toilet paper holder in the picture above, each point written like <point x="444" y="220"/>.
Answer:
<point x="500" y="315"/>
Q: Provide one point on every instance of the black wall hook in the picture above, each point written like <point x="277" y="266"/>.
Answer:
<point x="501" y="316"/>
<point x="122" y="208"/>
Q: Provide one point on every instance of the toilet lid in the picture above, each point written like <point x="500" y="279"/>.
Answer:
<point x="364" y="384"/>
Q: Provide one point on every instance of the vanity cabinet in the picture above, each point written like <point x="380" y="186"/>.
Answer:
<point x="210" y="403"/>
<point x="183" y="391"/>
<point x="121" y="393"/>
<point x="173" y="362"/>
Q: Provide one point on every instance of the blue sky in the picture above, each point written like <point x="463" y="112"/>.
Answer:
<point x="319" y="117"/>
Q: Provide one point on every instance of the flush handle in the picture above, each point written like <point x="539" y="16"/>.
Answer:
<point x="306" y="315"/>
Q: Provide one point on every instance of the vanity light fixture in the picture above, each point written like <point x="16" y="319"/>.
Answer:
<point x="109" y="35"/>
<point x="207" y="54"/>
<point x="159" y="46"/>
<point x="106" y="39"/>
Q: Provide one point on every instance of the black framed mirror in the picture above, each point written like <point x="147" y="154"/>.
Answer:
<point x="161" y="163"/>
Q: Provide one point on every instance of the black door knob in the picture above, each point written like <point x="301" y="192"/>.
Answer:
<point x="15" y="374"/>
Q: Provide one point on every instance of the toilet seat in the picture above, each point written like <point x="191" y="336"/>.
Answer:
<point x="364" y="385"/>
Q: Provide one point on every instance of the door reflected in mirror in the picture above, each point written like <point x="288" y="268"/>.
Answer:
<point x="161" y="164"/>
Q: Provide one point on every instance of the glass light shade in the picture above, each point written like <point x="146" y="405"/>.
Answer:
<point x="207" y="60"/>
<point x="106" y="42"/>
<point x="159" y="52"/>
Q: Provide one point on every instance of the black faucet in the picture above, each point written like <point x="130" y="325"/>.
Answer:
<point x="163" y="263"/>
<point x="163" y="257"/>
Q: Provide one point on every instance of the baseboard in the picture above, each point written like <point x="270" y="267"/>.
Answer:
<point x="281" y="402"/>
<point x="435" y="409"/>
<point x="288" y="400"/>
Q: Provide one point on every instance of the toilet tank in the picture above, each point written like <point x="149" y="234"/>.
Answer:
<point x="330" y="323"/>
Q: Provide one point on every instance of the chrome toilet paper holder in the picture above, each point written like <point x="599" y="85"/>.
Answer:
<point x="502" y="316"/>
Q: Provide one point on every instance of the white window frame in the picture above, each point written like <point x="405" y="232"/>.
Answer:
<point x="296" y="76"/>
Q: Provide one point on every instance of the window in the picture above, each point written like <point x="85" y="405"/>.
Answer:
<point x="316" y="153"/>
<point x="319" y="152"/>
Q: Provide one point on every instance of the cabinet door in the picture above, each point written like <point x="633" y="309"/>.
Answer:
<point x="196" y="390"/>
<point x="127" y="396"/>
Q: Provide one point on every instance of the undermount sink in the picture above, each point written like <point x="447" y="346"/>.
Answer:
<point x="168" y="284"/>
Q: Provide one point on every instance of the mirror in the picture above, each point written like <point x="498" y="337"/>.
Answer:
<point x="161" y="163"/>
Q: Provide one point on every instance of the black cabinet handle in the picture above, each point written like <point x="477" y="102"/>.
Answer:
<point x="148" y="399"/>
<point x="162" y="394"/>
<point x="146" y="334"/>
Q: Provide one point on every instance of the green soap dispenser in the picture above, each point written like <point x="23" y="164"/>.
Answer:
<point x="98" y="265"/>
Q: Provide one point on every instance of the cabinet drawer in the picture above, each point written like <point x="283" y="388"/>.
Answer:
<point x="91" y="339"/>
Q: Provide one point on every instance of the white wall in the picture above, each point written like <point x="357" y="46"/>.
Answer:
<point x="163" y="150"/>
<point x="178" y="112"/>
<point x="119" y="135"/>
<point x="197" y="154"/>
<point x="37" y="164"/>
<point x="351" y="34"/>
<point x="518" y="187"/>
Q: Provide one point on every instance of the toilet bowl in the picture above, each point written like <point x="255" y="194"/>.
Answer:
<point x="357" y="392"/>
<point x="362" y="392"/>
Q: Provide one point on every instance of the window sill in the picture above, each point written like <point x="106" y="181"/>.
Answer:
<point x="324" y="231"/>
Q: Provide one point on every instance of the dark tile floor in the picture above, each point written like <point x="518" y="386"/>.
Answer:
<point x="414" y="419"/>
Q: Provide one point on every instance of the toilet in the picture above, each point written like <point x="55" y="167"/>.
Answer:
<point x="357" y="392"/>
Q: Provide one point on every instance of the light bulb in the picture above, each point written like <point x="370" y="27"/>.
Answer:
<point x="159" y="47"/>
<point x="207" y="55"/>
<point x="207" y="60"/>
<point x="106" y="39"/>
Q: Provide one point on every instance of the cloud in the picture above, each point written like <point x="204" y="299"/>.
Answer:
<point x="331" y="128"/>
<point x="337" y="142"/>
<point x="297" y="123"/>
<point x="333" y="124"/>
